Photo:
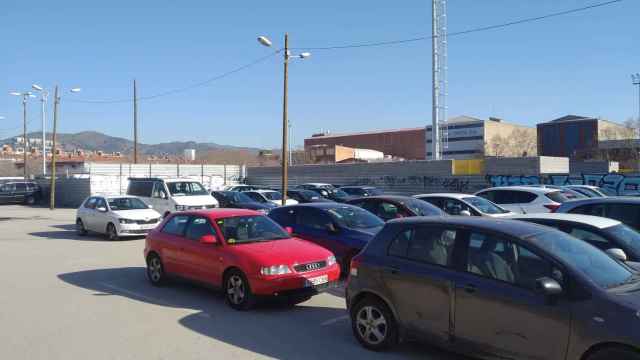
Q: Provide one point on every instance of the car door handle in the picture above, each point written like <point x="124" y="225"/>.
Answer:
<point x="470" y="288"/>
<point x="392" y="270"/>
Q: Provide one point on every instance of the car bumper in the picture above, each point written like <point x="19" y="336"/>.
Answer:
<point x="296" y="284"/>
<point x="135" y="229"/>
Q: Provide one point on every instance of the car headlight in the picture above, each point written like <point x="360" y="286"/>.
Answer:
<point x="275" y="270"/>
<point x="181" y="207"/>
<point x="126" y="221"/>
<point x="331" y="260"/>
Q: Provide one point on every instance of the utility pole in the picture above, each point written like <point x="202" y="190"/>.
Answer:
<point x="24" y="133"/>
<point x="52" y="192"/>
<point x="285" y="123"/>
<point x="135" y="122"/>
<point x="43" y="101"/>
<point x="635" y="79"/>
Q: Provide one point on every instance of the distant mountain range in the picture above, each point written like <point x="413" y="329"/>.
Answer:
<point x="93" y="140"/>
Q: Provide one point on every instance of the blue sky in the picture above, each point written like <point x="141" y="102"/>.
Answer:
<point x="575" y="64"/>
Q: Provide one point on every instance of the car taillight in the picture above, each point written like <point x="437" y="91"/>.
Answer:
<point x="353" y="268"/>
<point x="552" y="207"/>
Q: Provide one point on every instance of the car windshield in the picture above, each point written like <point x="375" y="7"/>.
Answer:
<point x="354" y="217"/>
<point x="117" y="204"/>
<point x="585" y="258"/>
<point x="339" y="193"/>
<point x="248" y="229"/>
<point x="308" y="194"/>
<point x="485" y="206"/>
<point x="557" y="196"/>
<point x="186" y="188"/>
<point x="272" y="195"/>
<point x="422" y="208"/>
<point x="239" y="198"/>
<point x="627" y="236"/>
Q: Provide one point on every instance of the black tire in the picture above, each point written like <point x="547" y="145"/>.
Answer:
<point x="237" y="291"/>
<point x="373" y="324"/>
<point x="155" y="270"/>
<point x="617" y="353"/>
<point x="112" y="233"/>
<point x="80" y="229"/>
<point x="30" y="200"/>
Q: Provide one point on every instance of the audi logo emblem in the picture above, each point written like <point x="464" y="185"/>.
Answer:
<point x="314" y="266"/>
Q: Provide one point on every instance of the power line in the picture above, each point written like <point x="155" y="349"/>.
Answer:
<point x="182" y="89"/>
<point x="464" y="32"/>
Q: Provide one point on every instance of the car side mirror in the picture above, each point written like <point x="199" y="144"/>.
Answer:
<point x="150" y="206"/>
<point x="548" y="286"/>
<point x="101" y="209"/>
<point x="465" y="213"/>
<point x="208" y="239"/>
<point x="289" y="230"/>
<point x="617" y="254"/>
<point x="332" y="229"/>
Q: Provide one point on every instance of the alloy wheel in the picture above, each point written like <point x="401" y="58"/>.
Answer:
<point x="371" y="325"/>
<point x="155" y="269"/>
<point x="235" y="289"/>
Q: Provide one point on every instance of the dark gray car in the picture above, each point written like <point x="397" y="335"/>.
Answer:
<point x="16" y="192"/>
<point x="623" y="209"/>
<point x="493" y="289"/>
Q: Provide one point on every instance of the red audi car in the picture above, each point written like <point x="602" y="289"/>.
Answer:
<point x="243" y="252"/>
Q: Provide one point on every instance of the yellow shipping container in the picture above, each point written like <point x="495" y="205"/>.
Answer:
<point x="468" y="167"/>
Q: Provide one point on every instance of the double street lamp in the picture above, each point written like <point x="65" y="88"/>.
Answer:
<point x="25" y="142"/>
<point x="285" y="124"/>
<point x="635" y="80"/>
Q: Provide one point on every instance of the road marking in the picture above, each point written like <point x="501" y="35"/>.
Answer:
<point x="136" y="295"/>
<point x="335" y="320"/>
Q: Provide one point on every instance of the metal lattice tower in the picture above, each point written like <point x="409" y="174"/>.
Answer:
<point x="439" y="127"/>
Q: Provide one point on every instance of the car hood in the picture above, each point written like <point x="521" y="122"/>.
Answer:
<point x="358" y="238"/>
<point x="510" y="213"/>
<point x="287" y="251"/>
<point x="139" y="214"/>
<point x="195" y="200"/>
<point x="255" y="206"/>
<point x="288" y="202"/>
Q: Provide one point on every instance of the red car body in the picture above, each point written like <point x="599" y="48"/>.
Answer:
<point x="209" y="262"/>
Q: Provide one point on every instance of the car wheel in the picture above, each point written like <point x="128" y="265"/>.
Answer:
<point x="373" y="324"/>
<point x="155" y="270"/>
<point x="237" y="291"/>
<point x="617" y="353"/>
<point x="112" y="233"/>
<point x="30" y="200"/>
<point x="80" y="229"/>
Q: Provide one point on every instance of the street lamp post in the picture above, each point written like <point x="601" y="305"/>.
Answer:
<point x="43" y="99"/>
<point x="25" y="95"/>
<point x="635" y="79"/>
<point x="56" y="102"/>
<point x="285" y="124"/>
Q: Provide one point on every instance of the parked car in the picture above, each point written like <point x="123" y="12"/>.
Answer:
<point x="240" y="200"/>
<point x="343" y="229"/>
<point x="570" y="194"/>
<point x="463" y="204"/>
<point x="306" y="196"/>
<point x="611" y="236"/>
<point x="116" y="216"/>
<point x="362" y="190"/>
<point x="623" y="209"/>
<point x="389" y="207"/>
<point x="525" y="199"/>
<point x="493" y="288"/>
<point x="242" y="187"/>
<point x="243" y="252"/>
<point x="327" y="191"/>
<point x="169" y="195"/>
<point x="269" y="196"/>
<point x="20" y="192"/>
<point x="587" y="190"/>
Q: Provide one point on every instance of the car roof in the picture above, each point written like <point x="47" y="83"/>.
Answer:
<point x="162" y="179"/>
<point x="317" y="205"/>
<point x="397" y="198"/>
<point x="583" y="186"/>
<point x="317" y="184"/>
<point x="357" y="187"/>
<point x="533" y="189"/>
<point x="519" y="229"/>
<point x="221" y="213"/>
<point x="597" y="221"/>
<point x="264" y="190"/>
<point x="447" y="195"/>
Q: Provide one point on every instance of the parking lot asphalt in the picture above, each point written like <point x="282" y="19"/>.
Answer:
<point x="70" y="297"/>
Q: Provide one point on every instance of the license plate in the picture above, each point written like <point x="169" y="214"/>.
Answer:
<point x="148" y="227"/>
<point x="318" y="280"/>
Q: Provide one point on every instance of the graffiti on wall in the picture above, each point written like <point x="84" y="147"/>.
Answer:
<point x="452" y="184"/>
<point x="613" y="183"/>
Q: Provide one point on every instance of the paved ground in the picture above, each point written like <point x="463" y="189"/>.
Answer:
<point x="68" y="297"/>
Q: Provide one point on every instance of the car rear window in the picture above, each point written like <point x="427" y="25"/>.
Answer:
<point x="557" y="196"/>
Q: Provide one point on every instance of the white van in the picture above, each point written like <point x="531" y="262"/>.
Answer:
<point x="170" y="195"/>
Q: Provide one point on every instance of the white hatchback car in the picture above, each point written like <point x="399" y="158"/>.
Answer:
<point x="116" y="216"/>
<point x="464" y="204"/>
<point x="525" y="199"/>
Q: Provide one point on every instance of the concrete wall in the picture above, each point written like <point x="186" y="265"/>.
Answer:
<point x="593" y="167"/>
